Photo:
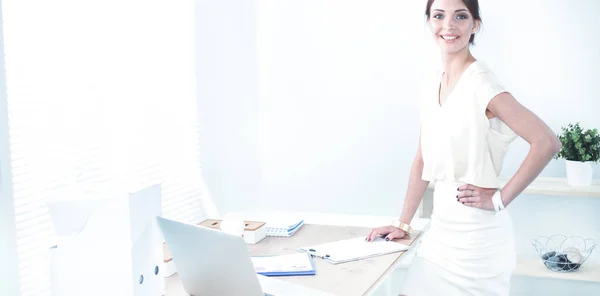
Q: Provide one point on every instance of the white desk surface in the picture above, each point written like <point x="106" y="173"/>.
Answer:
<point x="353" y="278"/>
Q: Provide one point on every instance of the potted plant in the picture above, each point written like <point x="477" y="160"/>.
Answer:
<point x="580" y="148"/>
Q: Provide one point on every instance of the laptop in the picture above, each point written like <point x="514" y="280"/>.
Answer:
<point x="211" y="262"/>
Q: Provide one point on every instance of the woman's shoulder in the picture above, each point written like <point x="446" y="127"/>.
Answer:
<point x="485" y="84"/>
<point x="482" y="73"/>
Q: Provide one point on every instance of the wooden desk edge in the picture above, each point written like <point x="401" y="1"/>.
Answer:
<point x="392" y="266"/>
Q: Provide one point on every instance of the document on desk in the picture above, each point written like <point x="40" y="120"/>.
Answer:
<point x="353" y="249"/>
<point x="284" y="265"/>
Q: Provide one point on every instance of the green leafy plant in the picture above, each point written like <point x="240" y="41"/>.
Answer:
<point x="579" y="144"/>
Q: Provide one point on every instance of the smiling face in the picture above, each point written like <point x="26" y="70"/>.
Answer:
<point x="452" y="24"/>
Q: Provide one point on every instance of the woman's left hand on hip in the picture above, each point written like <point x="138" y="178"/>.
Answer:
<point x="474" y="196"/>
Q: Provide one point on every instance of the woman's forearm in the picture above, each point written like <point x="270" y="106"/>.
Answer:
<point x="414" y="193"/>
<point x="540" y="154"/>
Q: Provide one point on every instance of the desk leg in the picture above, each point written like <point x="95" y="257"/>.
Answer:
<point x="385" y="288"/>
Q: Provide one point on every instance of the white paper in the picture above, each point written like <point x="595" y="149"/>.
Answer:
<point x="282" y="263"/>
<point x="354" y="249"/>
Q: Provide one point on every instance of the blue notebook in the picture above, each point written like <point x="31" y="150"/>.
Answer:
<point x="283" y="229"/>
<point x="284" y="265"/>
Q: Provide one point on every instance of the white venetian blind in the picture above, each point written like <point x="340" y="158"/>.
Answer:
<point x="99" y="93"/>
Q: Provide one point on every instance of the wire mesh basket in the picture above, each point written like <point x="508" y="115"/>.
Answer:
<point x="562" y="253"/>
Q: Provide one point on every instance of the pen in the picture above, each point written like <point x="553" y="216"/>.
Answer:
<point x="313" y="251"/>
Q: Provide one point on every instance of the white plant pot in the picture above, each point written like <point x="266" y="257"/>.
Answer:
<point x="579" y="173"/>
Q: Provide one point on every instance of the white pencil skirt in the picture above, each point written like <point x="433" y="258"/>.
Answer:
<point x="466" y="251"/>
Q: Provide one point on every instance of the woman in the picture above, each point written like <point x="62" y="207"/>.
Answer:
<point x="468" y="119"/>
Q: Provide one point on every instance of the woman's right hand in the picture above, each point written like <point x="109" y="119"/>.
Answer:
<point x="388" y="232"/>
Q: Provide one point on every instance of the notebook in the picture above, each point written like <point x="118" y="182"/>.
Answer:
<point x="283" y="228"/>
<point x="284" y="265"/>
<point x="353" y="249"/>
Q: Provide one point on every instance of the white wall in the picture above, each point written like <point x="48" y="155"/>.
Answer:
<point x="339" y="87"/>
<point x="333" y="126"/>
<point x="227" y="89"/>
<point x="547" y="53"/>
<point x="9" y="283"/>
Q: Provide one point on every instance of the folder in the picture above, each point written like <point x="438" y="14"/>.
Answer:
<point x="112" y="245"/>
<point x="353" y="249"/>
<point x="284" y="265"/>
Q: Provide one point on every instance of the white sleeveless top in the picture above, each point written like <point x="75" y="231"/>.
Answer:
<point x="458" y="142"/>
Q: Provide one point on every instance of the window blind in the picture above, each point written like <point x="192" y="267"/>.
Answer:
<point x="99" y="93"/>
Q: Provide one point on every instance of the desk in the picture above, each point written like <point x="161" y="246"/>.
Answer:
<point x="353" y="278"/>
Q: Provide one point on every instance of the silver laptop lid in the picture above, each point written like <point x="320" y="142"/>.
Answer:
<point x="210" y="262"/>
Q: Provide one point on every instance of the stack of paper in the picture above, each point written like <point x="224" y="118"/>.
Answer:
<point x="283" y="228"/>
<point x="353" y="249"/>
<point x="284" y="265"/>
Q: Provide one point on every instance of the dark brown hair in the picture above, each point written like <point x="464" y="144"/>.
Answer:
<point x="472" y="6"/>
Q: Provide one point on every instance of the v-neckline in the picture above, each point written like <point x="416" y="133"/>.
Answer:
<point x="439" y="92"/>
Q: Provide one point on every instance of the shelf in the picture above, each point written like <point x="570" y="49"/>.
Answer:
<point x="535" y="268"/>
<point x="557" y="187"/>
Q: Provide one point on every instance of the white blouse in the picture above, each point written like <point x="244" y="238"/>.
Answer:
<point x="458" y="142"/>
